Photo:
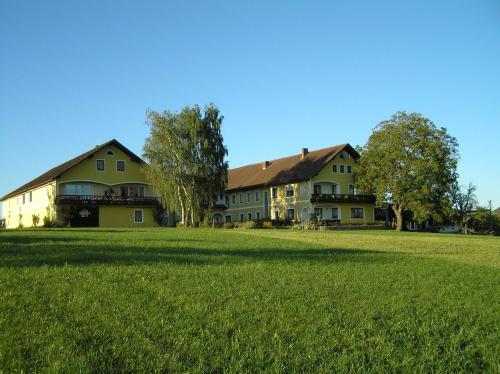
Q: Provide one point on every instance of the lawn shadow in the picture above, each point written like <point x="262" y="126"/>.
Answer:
<point x="53" y="250"/>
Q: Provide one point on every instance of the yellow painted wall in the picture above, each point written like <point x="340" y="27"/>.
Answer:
<point x="42" y="204"/>
<point x="87" y="171"/>
<point x="118" y="216"/>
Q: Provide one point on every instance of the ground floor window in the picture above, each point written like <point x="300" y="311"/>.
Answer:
<point x="228" y="218"/>
<point x="335" y="213"/>
<point x="318" y="213"/>
<point x="138" y="216"/>
<point x="357" y="213"/>
<point x="257" y="215"/>
<point x="290" y="214"/>
<point x="249" y="216"/>
<point x="242" y="216"/>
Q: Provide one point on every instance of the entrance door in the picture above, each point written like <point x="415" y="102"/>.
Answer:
<point x="84" y="216"/>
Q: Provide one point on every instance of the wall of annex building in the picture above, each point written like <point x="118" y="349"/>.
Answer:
<point x="19" y="210"/>
<point x="119" y="216"/>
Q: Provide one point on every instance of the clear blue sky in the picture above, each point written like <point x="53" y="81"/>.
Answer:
<point x="285" y="75"/>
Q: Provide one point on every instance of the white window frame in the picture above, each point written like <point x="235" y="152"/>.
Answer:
<point x="342" y="166"/>
<point x="142" y="216"/>
<point x="335" y="168"/>
<point x="289" y="187"/>
<point x="272" y="194"/>
<point x="257" y="195"/>
<point x="124" y="166"/>
<point x="349" y="169"/>
<point x="287" y="215"/>
<point x="257" y="215"/>
<point x="110" y="155"/>
<point x="362" y="210"/>
<point x="339" y="212"/>
<point x="103" y="165"/>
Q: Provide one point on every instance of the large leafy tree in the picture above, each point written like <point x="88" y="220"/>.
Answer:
<point x="411" y="164"/>
<point x="463" y="200"/>
<point x="186" y="159"/>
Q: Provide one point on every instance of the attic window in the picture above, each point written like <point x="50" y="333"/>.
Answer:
<point x="110" y="153"/>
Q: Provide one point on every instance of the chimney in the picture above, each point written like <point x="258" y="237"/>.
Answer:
<point x="303" y="152"/>
<point x="265" y="164"/>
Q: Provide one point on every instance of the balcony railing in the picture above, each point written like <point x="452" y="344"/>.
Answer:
<point x="106" y="200"/>
<point x="341" y="198"/>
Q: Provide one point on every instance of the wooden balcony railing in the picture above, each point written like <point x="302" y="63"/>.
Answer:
<point x="341" y="198"/>
<point x="106" y="200"/>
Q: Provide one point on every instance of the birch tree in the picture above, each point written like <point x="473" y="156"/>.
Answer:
<point x="186" y="160"/>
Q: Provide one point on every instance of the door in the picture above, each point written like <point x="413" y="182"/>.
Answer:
<point x="84" y="216"/>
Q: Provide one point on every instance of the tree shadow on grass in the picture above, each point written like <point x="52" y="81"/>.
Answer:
<point x="65" y="251"/>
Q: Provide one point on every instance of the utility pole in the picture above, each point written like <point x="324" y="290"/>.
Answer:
<point x="491" y="219"/>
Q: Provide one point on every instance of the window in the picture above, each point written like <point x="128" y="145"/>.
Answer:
<point x="317" y="189"/>
<point x="227" y="218"/>
<point x="257" y="215"/>
<point x="99" y="165"/>
<point x="349" y="169"/>
<point x="334" y="168"/>
<point x="132" y="191"/>
<point x="275" y="214"/>
<point x="78" y="189"/>
<point x="352" y="189"/>
<point x="290" y="214"/>
<point x="342" y="169"/>
<point x="274" y="192"/>
<point x="31" y="196"/>
<point x="289" y="191"/>
<point x="249" y="216"/>
<point x="138" y="216"/>
<point x="110" y="153"/>
<point x="120" y="165"/>
<point x="257" y="195"/>
<point x="241" y="198"/>
<point x="234" y="199"/>
<point x="357" y="213"/>
<point x="24" y="198"/>
<point x="335" y="213"/>
<point x="318" y="213"/>
<point x="334" y="188"/>
<point x="241" y="217"/>
<point x="248" y="197"/>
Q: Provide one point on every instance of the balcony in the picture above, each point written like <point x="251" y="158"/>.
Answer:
<point x="341" y="198"/>
<point x="106" y="200"/>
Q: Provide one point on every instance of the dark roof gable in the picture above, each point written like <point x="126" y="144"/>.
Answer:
<point x="285" y="170"/>
<point x="58" y="170"/>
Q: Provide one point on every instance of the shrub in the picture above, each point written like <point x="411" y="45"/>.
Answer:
<point x="249" y="225"/>
<point x="228" y="225"/>
<point x="267" y="225"/>
<point x="48" y="222"/>
<point x="35" y="219"/>
<point x="2" y="223"/>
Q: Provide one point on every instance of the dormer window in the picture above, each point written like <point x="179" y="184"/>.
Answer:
<point x="110" y="153"/>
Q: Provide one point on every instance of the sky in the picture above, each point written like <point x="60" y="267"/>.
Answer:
<point x="285" y="75"/>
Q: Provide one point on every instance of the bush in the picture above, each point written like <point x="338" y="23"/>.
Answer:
<point x="228" y="225"/>
<point x="267" y="225"/>
<point x="35" y="219"/>
<point x="48" y="222"/>
<point x="249" y="225"/>
<point x="2" y="223"/>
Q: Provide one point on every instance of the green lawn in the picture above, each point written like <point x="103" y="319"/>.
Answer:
<point x="248" y="300"/>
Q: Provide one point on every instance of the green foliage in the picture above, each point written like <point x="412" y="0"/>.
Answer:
<point x="111" y="300"/>
<point x="483" y="221"/>
<point x="228" y="225"/>
<point x="410" y="163"/>
<point x="185" y="153"/>
<point x="266" y="225"/>
<point x="48" y="222"/>
<point x="248" y="225"/>
<point x="35" y="219"/>
<point x="463" y="203"/>
<point x="2" y="223"/>
<point x="20" y="224"/>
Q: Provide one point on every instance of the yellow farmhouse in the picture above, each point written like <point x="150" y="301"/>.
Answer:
<point x="102" y="187"/>
<point x="316" y="184"/>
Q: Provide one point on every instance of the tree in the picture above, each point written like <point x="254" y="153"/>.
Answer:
<point x="411" y="164"/>
<point x="185" y="153"/>
<point x="463" y="202"/>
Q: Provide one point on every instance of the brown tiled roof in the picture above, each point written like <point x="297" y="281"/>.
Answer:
<point x="58" y="170"/>
<point x="284" y="170"/>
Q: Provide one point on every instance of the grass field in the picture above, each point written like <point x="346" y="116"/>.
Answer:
<point x="248" y="300"/>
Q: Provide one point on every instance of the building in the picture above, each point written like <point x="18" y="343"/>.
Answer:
<point x="104" y="187"/>
<point x="310" y="184"/>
